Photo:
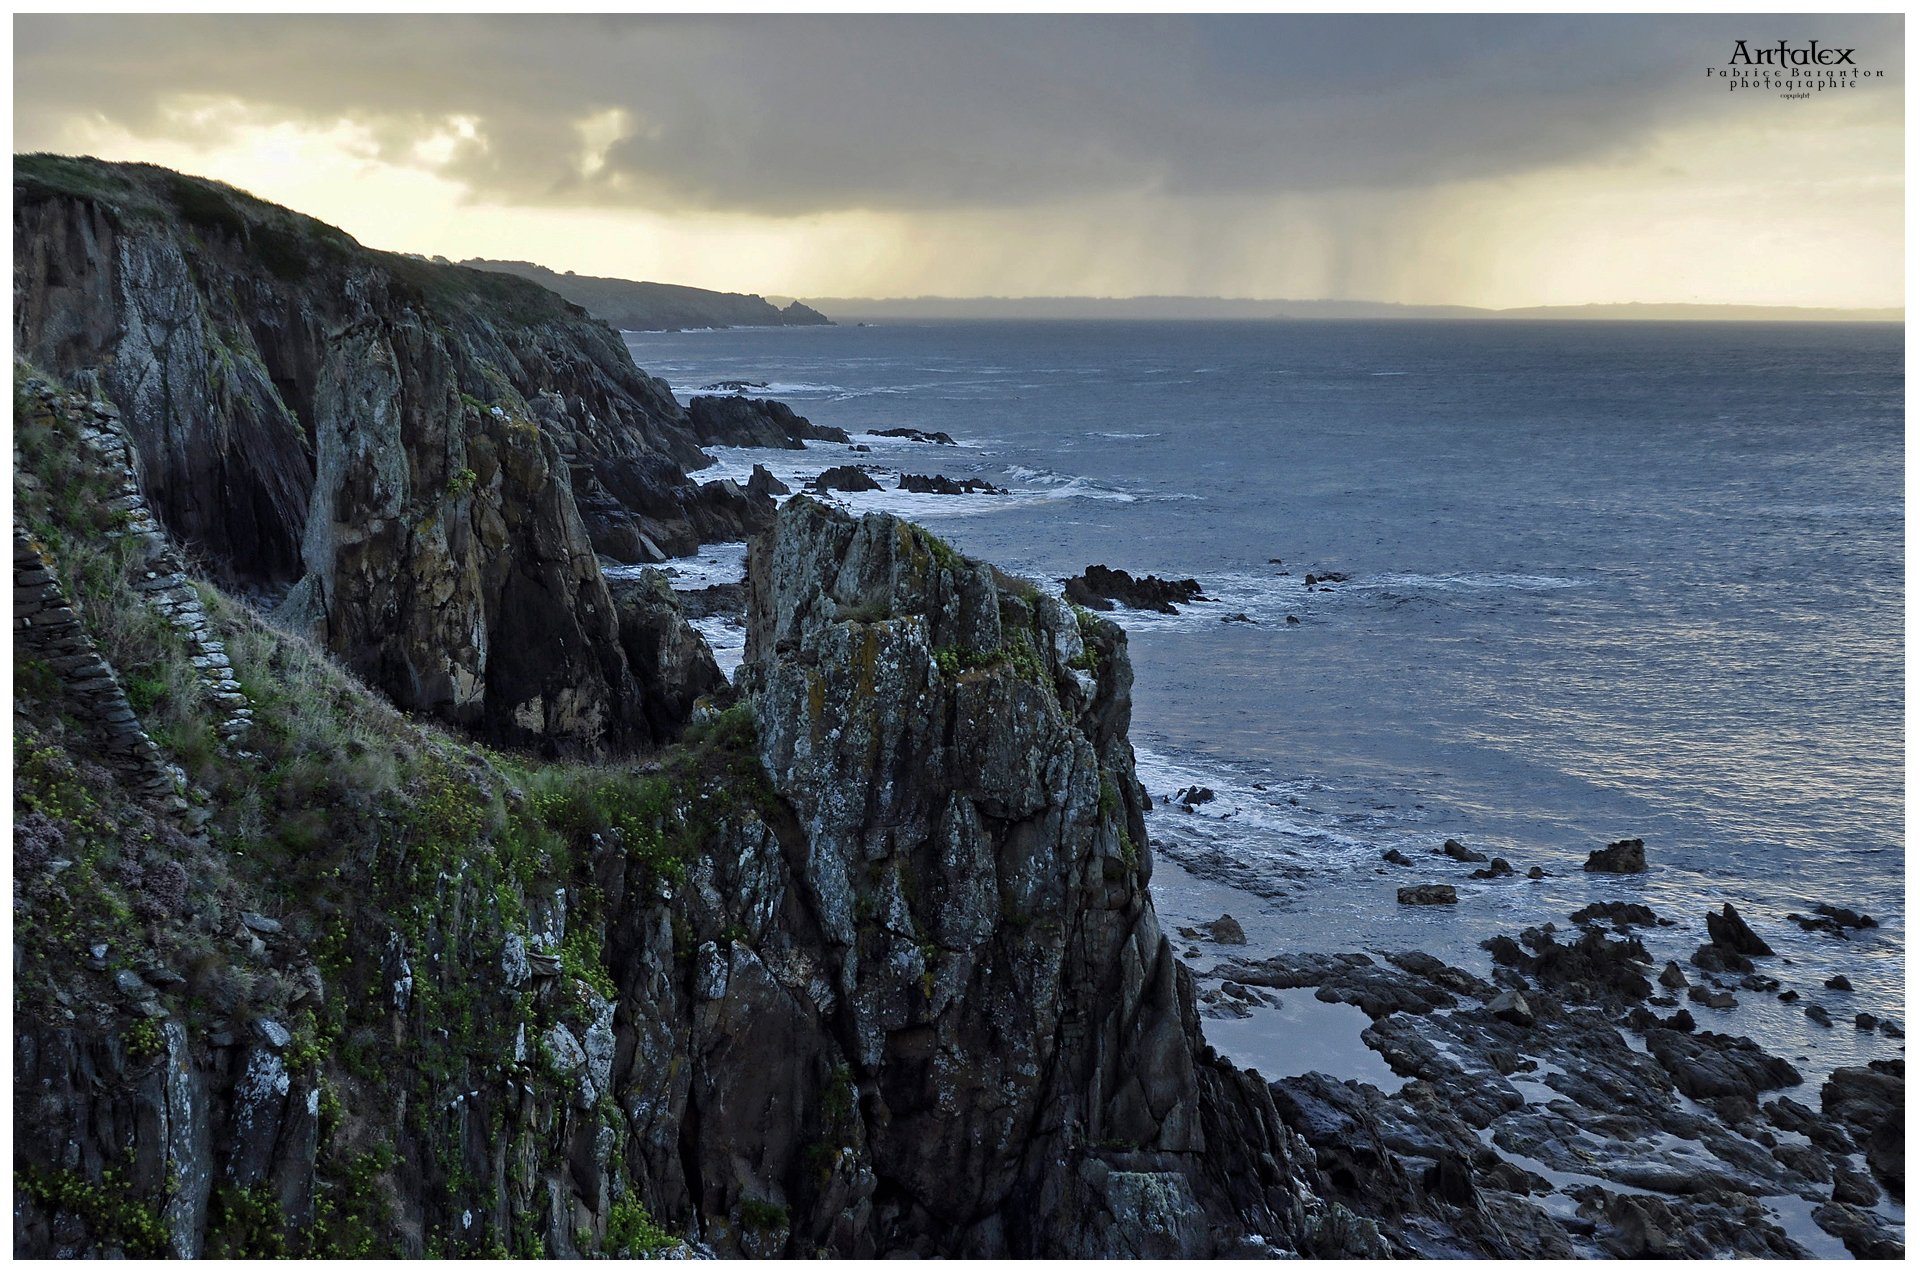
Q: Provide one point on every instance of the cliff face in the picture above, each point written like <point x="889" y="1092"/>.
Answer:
<point x="864" y="964"/>
<point x="415" y="462"/>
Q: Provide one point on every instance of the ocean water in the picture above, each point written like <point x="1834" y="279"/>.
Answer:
<point x="1604" y="580"/>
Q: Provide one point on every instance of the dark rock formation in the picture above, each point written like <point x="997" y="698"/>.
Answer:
<point x="1099" y="587"/>
<point x="919" y="436"/>
<point x="941" y="485"/>
<point x="762" y="483"/>
<point x="1427" y="894"/>
<point x="730" y="420"/>
<point x="1726" y="929"/>
<point x="1032" y="1075"/>
<point x="1224" y="930"/>
<point x="844" y="478"/>
<point x="421" y="459"/>
<point x="1621" y="916"/>
<point x="670" y="660"/>
<point x="1619" y="856"/>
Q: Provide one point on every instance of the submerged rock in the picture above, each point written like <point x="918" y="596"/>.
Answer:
<point x="1427" y="894"/>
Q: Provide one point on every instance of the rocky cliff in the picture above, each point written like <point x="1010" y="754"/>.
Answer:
<point x="864" y="966"/>
<point x="415" y="463"/>
<point x="852" y="957"/>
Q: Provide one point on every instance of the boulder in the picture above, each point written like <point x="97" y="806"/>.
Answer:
<point x="1726" y="929"/>
<point x="1427" y="894"/>
<point x="1619" y="856"/>
<point x="762" y="483"/>
<point x="844" y="478"/>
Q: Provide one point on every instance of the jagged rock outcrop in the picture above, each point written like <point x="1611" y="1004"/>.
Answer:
<point x="420" y="459"/>
<point x="734" y="420"/>
<point x="866" y="967"/>
<point x="972" y="856"/>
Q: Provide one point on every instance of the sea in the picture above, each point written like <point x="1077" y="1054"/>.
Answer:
<point x="1591" y="581"/>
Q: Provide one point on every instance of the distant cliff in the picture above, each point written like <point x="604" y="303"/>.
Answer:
<point x="658" y="307"/>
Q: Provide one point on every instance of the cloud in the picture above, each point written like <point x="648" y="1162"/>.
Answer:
<point x="798" y="116"/>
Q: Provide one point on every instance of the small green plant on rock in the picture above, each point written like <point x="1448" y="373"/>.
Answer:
<point x="632" y="1232"/>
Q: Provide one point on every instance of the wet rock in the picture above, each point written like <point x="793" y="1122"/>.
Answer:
<point x="1673" y="977"/>
<point x="1619" y="857"/>
<point x="1850" y="1186"/>
<point x="1427" y="894"/>
<point x="941" y="485"/>
<point x="762" y="483"/>
<point x="1225" y="930"/>
<point x="843" y="478"/>
<point x="1621" y="916"/>
<point x="1652" y="1226"/>
<point x="1726" y="929"/>
<point x="1819" y="1014"/>
<point x="941" y="437"/>
<point x="1397" y="857"/>
<point x="1865" y="1022"/>
<point x="1846" y="917"/>
<point x="1355" y="979"/>
<point x="1461" y="854"/>
<point x="1715" y="959"/>
<point x="1536" y="873"/>
<point x="1498" y="868"/>
<point x="1838" y="983"/>
<point x="1194" y="796"/>
<point x="1871" y="1103"/>
<point x="1594" y="969"/>
<point x="1511" y="1007"/>
<point x="731" y="420"/>
<point x="1865" y="1234"/>
<point x="1709" y="1065"/>
<point x="1146" y="593"/>
<point x="1711" y="999"/>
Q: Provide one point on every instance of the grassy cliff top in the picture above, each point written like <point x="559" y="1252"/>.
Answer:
<point x="292" y="245"/>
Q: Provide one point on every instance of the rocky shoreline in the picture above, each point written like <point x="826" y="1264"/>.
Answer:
<point x="1566" y="1102"/>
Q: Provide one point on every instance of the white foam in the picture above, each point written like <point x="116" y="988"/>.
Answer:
<point x="726" y="639"/>
<point x="722" y="563"/>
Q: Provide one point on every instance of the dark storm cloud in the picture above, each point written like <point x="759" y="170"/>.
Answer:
<point x="791" y="115"/>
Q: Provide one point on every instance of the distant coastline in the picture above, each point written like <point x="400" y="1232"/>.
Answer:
<point x="869" y="309"/>
<point x="634" y="306"/>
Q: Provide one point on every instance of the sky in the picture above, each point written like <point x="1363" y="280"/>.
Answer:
<point x="1492" y="160"/>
